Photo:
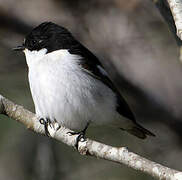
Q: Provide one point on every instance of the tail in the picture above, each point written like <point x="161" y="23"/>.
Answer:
<point x="139" y="131"/>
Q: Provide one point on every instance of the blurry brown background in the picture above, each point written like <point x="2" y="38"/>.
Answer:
<point x="139" y="52"/>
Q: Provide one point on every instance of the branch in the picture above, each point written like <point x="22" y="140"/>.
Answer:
<point x="176" y="9"/>
<point x="89" y="147"/>
<point x="165" y="11"/>
<point x="171" y="10"/>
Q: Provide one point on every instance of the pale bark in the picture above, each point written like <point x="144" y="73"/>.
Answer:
<point x="176" y="9"/>
<point x="89" y="147"/>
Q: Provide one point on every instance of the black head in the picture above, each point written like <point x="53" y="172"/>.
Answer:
<point x="50" y="36"/>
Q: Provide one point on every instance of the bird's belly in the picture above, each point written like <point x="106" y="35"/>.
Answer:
<point x="73" y="100"/>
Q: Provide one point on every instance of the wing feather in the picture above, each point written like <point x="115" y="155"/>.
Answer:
<point x="92" y="66"/>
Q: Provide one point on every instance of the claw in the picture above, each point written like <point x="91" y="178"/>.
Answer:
<point x="80" y="137"/>
<point x="45" y="123"/>
<point x="50" y="127"/>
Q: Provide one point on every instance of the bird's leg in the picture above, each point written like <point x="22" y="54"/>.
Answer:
<point x="45" y="122"/>
<point x="50" y="127"/>
<point x="81" y="135"/>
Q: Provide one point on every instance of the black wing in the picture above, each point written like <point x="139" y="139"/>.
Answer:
<point x="93" y="67"/>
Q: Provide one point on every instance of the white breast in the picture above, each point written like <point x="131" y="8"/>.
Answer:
<point x="63" y="92"/>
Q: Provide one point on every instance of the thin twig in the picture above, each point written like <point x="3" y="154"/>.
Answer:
<point x="171" y="10"/>
<point x="165" y="11"/>
<point x="176" y="9"/>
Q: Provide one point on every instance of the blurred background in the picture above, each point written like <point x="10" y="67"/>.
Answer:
<point x="140" y="53"/>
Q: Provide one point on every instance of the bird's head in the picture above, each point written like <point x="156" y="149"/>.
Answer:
<point x="47" y="36"/>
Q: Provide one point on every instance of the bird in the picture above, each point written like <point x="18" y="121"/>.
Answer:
<point x="70" y="86"/>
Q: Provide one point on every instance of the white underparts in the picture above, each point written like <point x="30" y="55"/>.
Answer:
<point x="62" y="92"/>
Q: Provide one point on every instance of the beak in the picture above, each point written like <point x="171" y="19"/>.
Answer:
<point x="19" y="48"/>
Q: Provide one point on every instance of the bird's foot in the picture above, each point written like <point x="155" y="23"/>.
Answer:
<point x="50" y="127"/>
<point x="45" y="122"/>
<point x="80" y="137"/>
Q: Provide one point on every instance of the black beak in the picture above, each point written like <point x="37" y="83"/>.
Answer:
<point x="19" y="48"/>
